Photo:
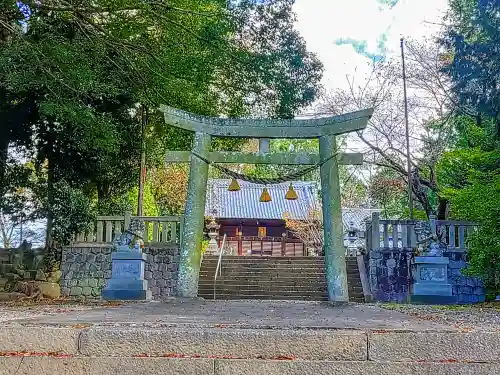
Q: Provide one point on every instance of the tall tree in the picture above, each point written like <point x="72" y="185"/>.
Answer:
<point x="431" y="108"/>
<point x="88" y="64"/>
<point x="474" y="40"/>
<point x="470" y="173"/>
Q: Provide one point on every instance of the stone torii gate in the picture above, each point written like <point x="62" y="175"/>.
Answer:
<point x="325" y="129"/>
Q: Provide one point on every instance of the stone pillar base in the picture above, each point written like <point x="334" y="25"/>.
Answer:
<point x="431" y="286"/>
<point x="433" y="300"/>
<point x="127" y="277"/>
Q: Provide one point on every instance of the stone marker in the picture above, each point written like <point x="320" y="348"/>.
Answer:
<point x="431" y="281"/>
<point x="128" y="265"/>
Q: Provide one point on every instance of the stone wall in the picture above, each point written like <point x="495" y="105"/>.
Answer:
<point x="467" y="289"/>
<point x="391" y="276"/>
<point x="19" y="264"/>
<point x="86" y="269"/>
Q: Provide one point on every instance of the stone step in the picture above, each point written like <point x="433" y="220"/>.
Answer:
<point x="277" y="258"/>
<point x="257" y="281"/>
<point x="276" y="281"/>
<point x="264" y="261"/>
<point x="265" y="281"/>
<point x="222" y="295"/>
<point x="264" y="265"/>
<point x="143" y="350"/>
<point x="246" y="289"/>
<point x="262" y="295"/>
<point x="272" y="278"/>
<point x="261" y="273"/>
<point x="211" y="366"/>
<point x="257" y="290"/>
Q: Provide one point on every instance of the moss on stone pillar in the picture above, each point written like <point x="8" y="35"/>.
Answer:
<point x="335" y="266"/>
<point x="189" y="267"/>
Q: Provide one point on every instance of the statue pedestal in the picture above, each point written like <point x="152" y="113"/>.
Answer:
<point x="213" y="248"/>
<point x="127" y="277"/>
<point x="431" y="281"/>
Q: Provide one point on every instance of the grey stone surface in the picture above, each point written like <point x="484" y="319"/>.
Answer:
<point x="105" y="366"/>
<point x="199" y="366"/>
<point x="252" y="367"/>
<point x="237" y="343"/>
<point x="39" y="339"/>
<point x="246" y="314"/>
<point x="91" y="267"/>
<point x="434" y="346"/>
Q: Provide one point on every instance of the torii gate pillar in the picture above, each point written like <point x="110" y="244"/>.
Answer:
<point x="335" y="266"/>
<point x="194" y="217"/>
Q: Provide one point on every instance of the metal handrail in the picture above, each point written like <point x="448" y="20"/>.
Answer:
<point x="219" y="267"/>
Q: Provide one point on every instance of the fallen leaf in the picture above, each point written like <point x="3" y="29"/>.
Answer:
<point x="379" y="331"/>
<point x="34" y="354"/>
<point x="283" y="358"/>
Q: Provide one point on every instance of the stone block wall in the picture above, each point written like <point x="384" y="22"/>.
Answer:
<point x="85" y="270"/>
<point x="19" y="264"/>
<point x="467" y="289"/>
<point x="391" y="276"/>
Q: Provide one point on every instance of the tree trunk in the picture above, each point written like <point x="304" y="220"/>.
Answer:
<point x="50" y="204"/>
<point x="103" y="191"/>
<point x="4" y="149"/>
<point x="442" y="210"/>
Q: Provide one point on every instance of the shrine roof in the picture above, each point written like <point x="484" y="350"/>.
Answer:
<point x="245" y="204"/>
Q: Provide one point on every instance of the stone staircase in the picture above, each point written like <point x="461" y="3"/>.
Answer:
<point x="272" y="278"/>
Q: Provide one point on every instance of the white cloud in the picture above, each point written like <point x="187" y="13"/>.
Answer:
<point x="322" y="22"/>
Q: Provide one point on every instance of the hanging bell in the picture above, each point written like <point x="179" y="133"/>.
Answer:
<point x="234" y="185"/>
<point x="291" y="194"/>
<point x="265" y="197"/>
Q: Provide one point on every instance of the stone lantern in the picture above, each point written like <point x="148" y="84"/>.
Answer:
<point x="352" y="238"/>
<point x="213" y="232"/>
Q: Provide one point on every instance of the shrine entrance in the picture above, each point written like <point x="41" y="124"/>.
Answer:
<point x="325" y="129"/>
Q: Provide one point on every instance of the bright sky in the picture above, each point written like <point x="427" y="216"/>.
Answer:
<point x="333" y="29"/>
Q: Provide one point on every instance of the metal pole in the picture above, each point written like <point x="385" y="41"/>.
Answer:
<point x="408" y="156"/>
<point x="142" y="178"/>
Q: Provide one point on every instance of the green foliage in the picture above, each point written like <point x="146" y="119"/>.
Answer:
<point x="477" y="200"/>
<point x="475" y="43"/>
<point x="387" y="190"/>
<point x="72" y="212"/>
<point x="72" y="86"/>
<point x="149" y="207"/>
<point x="470" y="174"/>
<point x="204" y="246"/>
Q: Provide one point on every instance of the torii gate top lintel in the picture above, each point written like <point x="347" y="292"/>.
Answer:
<point x="264" y="128"/>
